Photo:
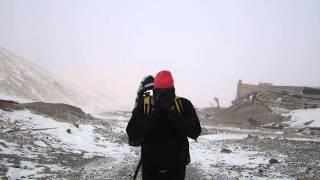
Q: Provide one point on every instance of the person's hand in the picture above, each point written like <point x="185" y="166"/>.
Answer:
<point x="163" y="99"/>
<point x="166" y="102"/>
<point x="145" y="85"/>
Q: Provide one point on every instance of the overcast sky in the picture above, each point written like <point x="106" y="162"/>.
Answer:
<point x="208" y="45"/>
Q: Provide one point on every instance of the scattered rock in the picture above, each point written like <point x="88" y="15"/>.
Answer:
<point x="204" y="131"/>
<point x="315" y="128"/>
<point x="308" y="170"/>
<point x="273" y="161"/>
<point x="302" y="178"/>
<point x="313" y="133"/>
<point x="6" y="109"/>
<point x="226" y="151"/>
<point x="250" y="136"/>
<point x="69" y="131"/>
<point x="253" y="136"/>
<point x="285" y="125"/>
<point x="3" y="144"/>
<point x="260" y="171"/>
<point x="308" y="123"/>
<point x="77" y="125"/>
<point x="281" y="126"/>
<point x="253" y="122"/>
<point x="307" y="131"/>
<point x="105" y="124"/>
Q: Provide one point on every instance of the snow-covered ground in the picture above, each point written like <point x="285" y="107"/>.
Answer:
<point x="103" y="153"/>
<point x="304" y="118"/>
<point x="84" y="140"/>
<point x="207" y="155"/>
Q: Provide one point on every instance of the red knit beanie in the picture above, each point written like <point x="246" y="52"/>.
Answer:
<point x="163" y="79"/>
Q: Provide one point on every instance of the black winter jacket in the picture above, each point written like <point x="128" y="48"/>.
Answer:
<point x="163" y="135"/>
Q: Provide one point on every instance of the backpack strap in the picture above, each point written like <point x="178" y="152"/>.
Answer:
<point x="147" y="105"/>
<point x="178" y="104"/>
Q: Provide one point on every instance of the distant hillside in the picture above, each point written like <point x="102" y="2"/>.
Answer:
<point x="22" y="79"/>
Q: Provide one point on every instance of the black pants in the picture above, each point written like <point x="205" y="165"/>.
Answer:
<point x="163" y="174"/>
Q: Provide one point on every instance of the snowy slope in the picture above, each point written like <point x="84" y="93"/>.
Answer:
<point x="22" y="80"/>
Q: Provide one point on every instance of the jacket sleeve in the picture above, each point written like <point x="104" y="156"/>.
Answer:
<point x="186" y="123"/>
<point x="138" y="125"/>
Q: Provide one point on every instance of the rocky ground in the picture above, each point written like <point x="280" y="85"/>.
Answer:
<point x="98" y="149"/>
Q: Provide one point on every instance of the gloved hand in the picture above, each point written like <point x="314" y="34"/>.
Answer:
<point x="166" y="102"/>
<point x="163" y="99"/>
<point x="145" y="85"/>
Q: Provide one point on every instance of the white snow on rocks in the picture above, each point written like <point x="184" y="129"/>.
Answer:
<point x="304" y="118"/>
<point x="31" y="170"/>
<point x="12" y="148"/>
<point x="206" y="155"/>
<point x="222" y="136"/>
<point x="84" y="140"/>
<point x="26" y="169"/>
<point x="81" y="139"/>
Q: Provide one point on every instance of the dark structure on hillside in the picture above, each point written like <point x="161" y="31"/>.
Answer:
<point x="287" y="97"/>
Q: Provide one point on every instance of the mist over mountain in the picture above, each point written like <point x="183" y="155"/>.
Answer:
<point x="24" y="81"/>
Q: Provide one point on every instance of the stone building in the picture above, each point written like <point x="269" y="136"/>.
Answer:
<point x="287" y="97"/>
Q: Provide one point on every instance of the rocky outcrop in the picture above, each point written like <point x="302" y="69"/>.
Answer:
<point x="59" y="112"/>
<point x="63" y="112"/>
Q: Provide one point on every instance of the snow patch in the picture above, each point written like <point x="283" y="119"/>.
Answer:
<point x="81" y="140"/>
<point x="222" y="136"/>
<point x="304" y="139"/>
<point x="304" y="118"/>
<point x="206" y="155"/>
<point x="31" y="170"/>
<point x="15" y="149"/>
<point x="85" y="140"/>
<point x="112" y="117"/>
<point x="27" y="170"/>
<point x="41" y="144"/>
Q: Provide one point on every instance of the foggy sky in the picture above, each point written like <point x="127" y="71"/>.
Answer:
<point x="108" y="46"/>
